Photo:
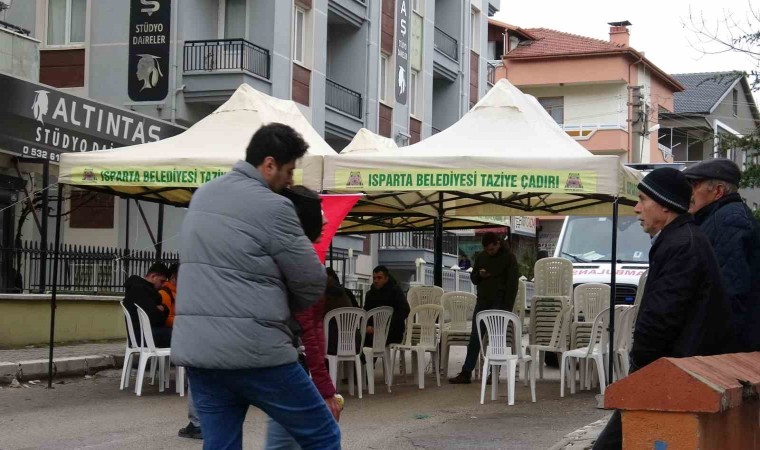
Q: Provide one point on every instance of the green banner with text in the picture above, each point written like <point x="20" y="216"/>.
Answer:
<point x="153" y="176"/>
<point x="367" y="180"/>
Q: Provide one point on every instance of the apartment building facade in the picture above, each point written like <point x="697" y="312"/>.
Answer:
<point x="605" y="94"/>
<point x="713" y="106"/>
<point x="340" y="60"/>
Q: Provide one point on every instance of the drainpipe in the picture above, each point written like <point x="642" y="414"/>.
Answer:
<point x="463" y="91"/>
<point x="367" y="62"/>
<point x="290" y="50"/>
<point x="630" y="109"/>
<point x="174" y="102"/>
<point x="175" y="34"/>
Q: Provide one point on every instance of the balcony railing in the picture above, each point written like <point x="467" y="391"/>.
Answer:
<point x="418" y="240"/>
<point x="446" y="44"/>
<point x="14" y="28"/>
<point x="343" y="99"/>
<point x="491" y="73"/>
<point x="226" y="54"/>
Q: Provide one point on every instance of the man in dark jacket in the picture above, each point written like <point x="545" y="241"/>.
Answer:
<point x="385" y="292"/>
<point x="735" y="236"/>
<point x="684" y="311"/>
<point x="143" y="292"/>
<point x="496" y="275"/>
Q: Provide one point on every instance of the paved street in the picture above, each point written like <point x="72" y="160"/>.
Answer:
<point x="93" y="413"/>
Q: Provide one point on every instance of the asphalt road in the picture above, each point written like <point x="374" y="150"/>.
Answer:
<point x="94" y="413"/>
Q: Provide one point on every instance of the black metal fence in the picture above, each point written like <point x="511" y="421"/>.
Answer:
<point x="343" y="99"/>
<point x="226" y="54"/>
<point x="418" y="239"/>
<point x="446" y="44"/>
<point x="81" y="269"/>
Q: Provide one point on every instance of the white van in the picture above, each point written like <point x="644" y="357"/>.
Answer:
<point x="587" y="242"/>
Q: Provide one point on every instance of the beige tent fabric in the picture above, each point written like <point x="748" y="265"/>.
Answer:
<point x="169" y="170"/>
<point x="506" y="156"/>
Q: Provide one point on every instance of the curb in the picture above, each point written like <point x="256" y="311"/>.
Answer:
<point x="76" y="365"/>
<point x="582" y="438"/>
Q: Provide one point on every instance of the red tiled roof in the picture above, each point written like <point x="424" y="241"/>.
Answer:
<point x="553" y="43"/>
<point x="517" y="30"/>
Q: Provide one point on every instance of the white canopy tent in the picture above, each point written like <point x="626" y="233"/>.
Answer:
<point x="506" y="156"/>
<point x="168" y="171"/>
<point x="367" y="142"/>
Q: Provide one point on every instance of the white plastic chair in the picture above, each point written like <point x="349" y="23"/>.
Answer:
<point x="424" y="295"/>
<point x="381" y="322"/>
<point x="521" y="300"/>
<point x="499" y="353"/>
<point x="459" y="307"/>
<point x="597" y="351"/>
<point x="588" y="300"/>
<point x="550" y="319"/>
<point x="148" y="350"/>
<point x="426" y="318"/>
<point x="349" y="321"/>
<point x="553" y="277"/>
<point x="640" y="289"/>
<point x="132" y="348"/>
<point x="624" y="342"/>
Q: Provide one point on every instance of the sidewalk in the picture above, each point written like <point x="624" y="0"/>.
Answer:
<point x="583" y="438"/>
<point x="27" y="364"/>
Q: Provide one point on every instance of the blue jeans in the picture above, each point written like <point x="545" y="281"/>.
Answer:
<point x="285" y="393"/>
<point x="278" y="437"/>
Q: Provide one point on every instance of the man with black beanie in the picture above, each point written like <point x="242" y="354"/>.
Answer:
<point x="684" y="310"/>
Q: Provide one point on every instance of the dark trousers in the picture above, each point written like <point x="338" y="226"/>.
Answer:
<point x="473" y="347"/>
<point x="611" y="438"/>
<point x="162" y="337"/>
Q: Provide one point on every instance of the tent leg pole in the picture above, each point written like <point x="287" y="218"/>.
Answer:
<point x="331" y="254"/>
<point x="613" y="287"/>
<point x="438" y="253"/>
<point x="125" y="261"/>
<point x="145" y="221"/>
<point x="44" y="231"/>
<point x="160" y="233"/>
<point x="53" y="296"/>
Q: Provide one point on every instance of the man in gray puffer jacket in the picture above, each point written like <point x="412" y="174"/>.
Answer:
<point x="246" y="268"/>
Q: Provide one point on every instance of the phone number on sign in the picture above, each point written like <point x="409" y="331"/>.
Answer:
<point x="42" y="154"/>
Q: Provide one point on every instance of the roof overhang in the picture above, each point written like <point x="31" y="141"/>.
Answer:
<point x="628" y="52"/>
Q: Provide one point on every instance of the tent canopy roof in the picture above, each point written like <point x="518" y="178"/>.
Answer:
<point x="506" y="156"/>
<point x="170" y="170"/>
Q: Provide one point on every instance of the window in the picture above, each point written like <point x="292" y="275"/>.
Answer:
<point x="234" y="19"/>
<point x="383" y="78"/>
<point x="66" y="22"/>
<point x="475" y="31"/>
<point x="736" y="102"/>
<point x="414" y="91"/>
<point x="91" y="210"/>
<point x="299" y="27"/>
<point x="555" y="106"/>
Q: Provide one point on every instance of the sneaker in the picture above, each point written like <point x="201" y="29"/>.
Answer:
<point x="190" y="432"/>
<point x="462" y="378"/>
